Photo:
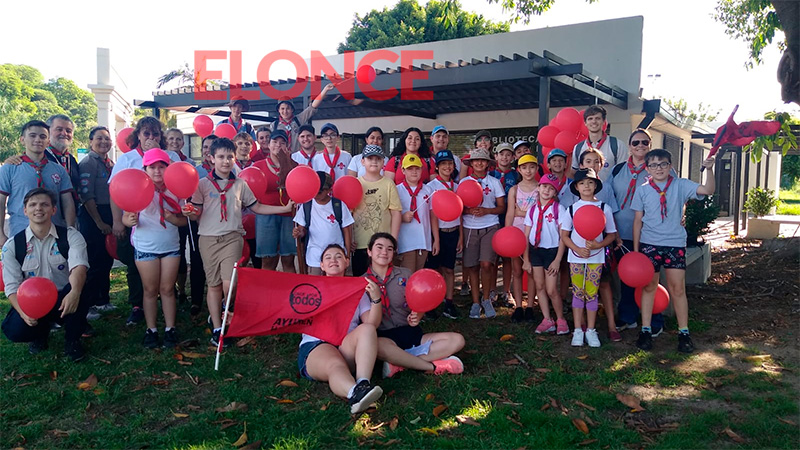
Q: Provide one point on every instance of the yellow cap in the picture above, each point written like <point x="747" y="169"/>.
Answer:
<point x="411" y="161"/>
<point x="525" y="159"/>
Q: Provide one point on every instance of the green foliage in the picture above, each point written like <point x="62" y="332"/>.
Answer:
<point x="524" y="9"/>
<point x="682" y="111"/>
<point x="409" y="23"/>
<point x="760" y="201"/>
<point x="699" y="215"/>
<point x="790" y="170"/>
<point x="25" y="95"/>
<point x="784" y="140"/>
<point x="169" y="119"/>
<point x="754" y="21"/>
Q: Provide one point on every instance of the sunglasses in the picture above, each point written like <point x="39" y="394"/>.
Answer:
<point x="636" y="143"/>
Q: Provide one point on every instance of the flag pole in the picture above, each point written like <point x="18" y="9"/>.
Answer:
<point x="225" y="315"/>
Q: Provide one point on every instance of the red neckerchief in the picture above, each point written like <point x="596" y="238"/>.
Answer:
<point x="141" y="153"/>
<point x="561" y="183"/>
<point x="662" y="195"/>
<point x="288" y="126"/>
<point x="233" y="124"/>
<point x="38" y="167"/>
<point x="599" y="143"/>
<point x="244" y="165"/>
<point x="632" y="186"/>
<point x="382" y="286"/>
<point x="163" y="198"/>
<point x="63" y="158"/>
<point x="413" y="195"/>
<point x="503" y="175"/>
<point x="540" y="221"/>
<point x="207" y="166"/>
<point x="223" y="210"/>
<point x="107" y="162"/>
<point x="330" y="164"/>
<point x="307" y="157"/>
<point x="450" y="187"/>
<point x="274" y="167"/>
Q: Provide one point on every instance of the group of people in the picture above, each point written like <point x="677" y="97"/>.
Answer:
<point x="392" y="233"/>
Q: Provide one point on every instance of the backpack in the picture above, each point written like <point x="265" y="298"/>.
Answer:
<point x="602" y="208"/>
<point x="617" y="168"/>
<point x="21" y="245"/>
<point x="555" y="210"/>
<point x="337" y="212"/>
<point x="611" y="140"/>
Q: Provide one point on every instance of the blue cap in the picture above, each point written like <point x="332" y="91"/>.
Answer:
<point x="556" y="152"/>
<point x="328" y="126"/>
<point x="439" y="128"/>
<point x="444" y="155"/>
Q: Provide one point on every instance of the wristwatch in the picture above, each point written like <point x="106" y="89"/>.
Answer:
<point x="375" y="302"/>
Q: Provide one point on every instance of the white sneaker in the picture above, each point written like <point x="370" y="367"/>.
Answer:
<point x="577" y="337"/>
<point x="475" y="311"/>
<point x="105" y="308"/>
<point x="488" y="309"/>
<point x="592" y="338"/>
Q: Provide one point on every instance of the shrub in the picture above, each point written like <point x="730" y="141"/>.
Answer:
<point x="699" y="215"/>
<point x="760" y="201"/>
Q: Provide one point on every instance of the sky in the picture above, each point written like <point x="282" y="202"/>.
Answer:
<point x="683" y="45"/>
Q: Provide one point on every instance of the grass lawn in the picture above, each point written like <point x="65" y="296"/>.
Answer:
<point x="740" y="389"/>
<point x="789" y="201"/>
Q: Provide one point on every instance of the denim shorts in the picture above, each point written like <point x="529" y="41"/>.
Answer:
<point x="146" y="256"/>
<point x="302" y="357"/>
<point x="274" y="236"/>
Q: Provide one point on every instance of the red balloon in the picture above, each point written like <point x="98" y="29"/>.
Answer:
<point x="566" y="141"/>
<point x="302" y="184"/>
<point x="447" y="205"/>
<point x="249" y="224"/>
<point x="348" y="189"/>
<point x="2" y="283"/>
<point x="589" y="221"/>
<point x="569" y="119"/>
<point x="132" y="190"/>
<point x="181" y="179"/>
<point x="245" y="254"/>
<point x="111" y="245"/>
<point x="660" y="302"/>
<point x="255" y="151"/>
<point x="470" y="192"/>
<point x="365" y="74"/>
<point x="122" y="136"/>
<point x="255" y="179"/>
<point x="635" y="269"/>
<point x="425" y="290"/>
<point x="225" y="130"/>
<point x="509" y="242"/>
<point x="203" y="126"/>
<point x="547" y="135"/>
<point x="36" y="296"/>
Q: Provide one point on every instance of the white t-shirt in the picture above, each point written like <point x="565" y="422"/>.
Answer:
<point x="300" y="159"/>
<point x="492" y="190"/>
<point x="415" y="235"/>
<point x="132" y="160"/>
<point x="597" y="256"/>
<point x="324" y="229"/>
<point x="364" y="305"/>
<point x="149" y="236"/>
<point x="608" y="156"/>
<point x="437" y="185"/>
<point x="550" y="236"/>
<point x="318" y="163"/>
<point x="356" y="166"/>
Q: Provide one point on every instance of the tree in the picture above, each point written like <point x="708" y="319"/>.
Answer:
<point x="409" y="23"/>
<point x="703" y="113"/>
<point x="165" y="116"/>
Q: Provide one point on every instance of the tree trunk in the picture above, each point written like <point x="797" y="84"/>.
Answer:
<point x="788" y="12"/>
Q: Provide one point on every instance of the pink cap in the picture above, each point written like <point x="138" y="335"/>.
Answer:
<point x="550" y="179"/>
<point x="155" y="155"/>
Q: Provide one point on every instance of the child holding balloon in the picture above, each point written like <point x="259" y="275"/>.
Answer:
<point x="587" y="244"/>
<point x="157" y="250"/>
<point x="521" y="198"/>
<point x="419" y="221"/>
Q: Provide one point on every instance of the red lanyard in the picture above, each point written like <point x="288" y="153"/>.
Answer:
<point x="450" y="187"/>
<point x="632" y="186"/>
<point x="38" y="167"/>
<point x="662" y="195"/>
<point x="382" y="286"/>
<point x="413" y="195"/>
<point x="330" y="164"/>
<point x="540" y="221"/>
<point x="223" y="210"/>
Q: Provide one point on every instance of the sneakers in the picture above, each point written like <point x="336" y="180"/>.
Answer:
<point x="622" y="326"/>
<point x="390" y="370"/>
<point x="451" y="364"/>
<point x="93" y="313"/>
<point x="614" y="336"/>
<point x="475" y="311"/>
<point x="492" y="296"/>
<point x="562" y="327"/>
<point x="38" y="345"/>
<point x="364" y="394"/>
<point x="685" y="344"/>
<point x="465" y="290"/>
<point x="547" y="326"/>
<point x="506" y="300"/>
<point x="592" y="338"/>
<point x="136" y="316"/>
<point x="488" y="309"/>
<point x="529" y="314"/>
<point x="171" y="338"/>
<point x="658" y="333"/>
<point x="645" y="341"/>
<point x="215" y="337"/>
<point x="74" y="350"/>
<point x="108" y="307"/>
<point x="518" y="315"/>
<point x="450" y="311"/>
<point x="577" y="337"/>
<point x="150" y="339"/>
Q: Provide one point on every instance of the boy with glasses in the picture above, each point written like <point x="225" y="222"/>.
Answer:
<point x="332" y="159"/>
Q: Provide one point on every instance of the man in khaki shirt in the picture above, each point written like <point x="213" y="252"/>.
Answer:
<point x="43" y="258"/>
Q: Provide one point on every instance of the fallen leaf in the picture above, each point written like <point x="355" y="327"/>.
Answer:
<point x="194" y="355"/>
<point x="53" y="375"/>
<point x="438" y="410"/>
<point x="232" y="406"/>
<point x="89" y="383"/>
<point x="390" y="442"/>
<point x="582" y="357"/>
<point x="172" y="375"/>
<point x="415" y="421"/>
<point x="178" y="356"/>
<point x="514" y="421"/>
<point x="735" y="437"/>
<point x="506" y="337"/>
<point x="429" y="397"/>
<point x="543" y="370"/>
<point x="630" y="401"/>
<point x="393" y="423"/>
<point x="511" y="362"/>
<point x="185" y="363"/>
<point x="493" y="394"/>
<point x="467" y="420"/>
<point x="180" y="415"/>
<point x="285" y="401"/>
<point x="245" y="341"/>
<point x="193" y="407"/>
<point x="325" y="406"/>
<point x="429" y="431"/>
<point x="787" y="421"/>
<point x="584" y="405"/>
<point x="587" y="442"/>
<point x="227" y="425"/>
<point x="544" y="407"/>
<point x="61" y="433"/>
<point x="243" y="438"/>
<point x="757" y="358"/>
<point x="288" y="383"/>
<point x="581" y="425"/>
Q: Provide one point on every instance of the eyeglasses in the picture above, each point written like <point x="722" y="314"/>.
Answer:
<point x="643" y="142"/>
<point x="662" y="165"/>
<point x="329" y="136"/>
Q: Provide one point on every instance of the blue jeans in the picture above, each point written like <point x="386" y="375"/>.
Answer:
<point x="16" y="330"/>
<point x="274" y="236"/>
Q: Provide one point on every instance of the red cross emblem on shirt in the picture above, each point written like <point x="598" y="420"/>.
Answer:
<point x="331" y="218"/>
<point x="486" y="190"/>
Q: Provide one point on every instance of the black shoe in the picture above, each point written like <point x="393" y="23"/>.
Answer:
<point x="38" y="345"/>
<point x="137" y="316"/>
<point x="194" y="310"/>
<point x="657" y="333"/>
<point x="518" y="315"/>
<point x="622" y="325"/>
<point x="150" y="339"/>
<point x="89" y="332"/>
<point x="645" y="341"/>
<point x="182" y="297"/>
<point x="529" y="314"/>
<point x="74" y="350"/>
<point x="171" y="338"/>
<point x="685" y="344"/>
<point x="215" y="337"/>
<point x="431" y="315"/>
<point x="450" y="311"/>
<point x="364" y="394"/>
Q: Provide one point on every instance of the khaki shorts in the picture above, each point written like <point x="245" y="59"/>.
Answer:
<point x="219" y="253"/>
<point x="478" y="246"/>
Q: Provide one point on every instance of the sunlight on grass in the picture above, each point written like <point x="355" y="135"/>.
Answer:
<point x="479" y="409"/>
<point x="701" y="361"/>
<point x="632" y="360"/>
<point x="735" y="346"/>
<point x="294" y="443"/>
<point x="203" y="446"/>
